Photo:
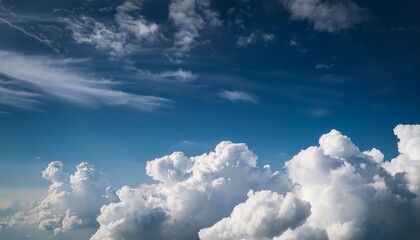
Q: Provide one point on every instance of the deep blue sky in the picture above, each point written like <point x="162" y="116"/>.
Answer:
<point x="252" y="73"/>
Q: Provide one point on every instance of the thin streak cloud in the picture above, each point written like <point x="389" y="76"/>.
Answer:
<point x="54" y="77"/>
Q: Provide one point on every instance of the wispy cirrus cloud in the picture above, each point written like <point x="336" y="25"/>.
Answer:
<point x="237" y="96"/>
<point x="178" y="76"/>
<point x="34" y="76"/>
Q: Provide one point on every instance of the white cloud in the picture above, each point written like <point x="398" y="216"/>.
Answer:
<point x="180" y="76"/>
<point x="86" y="30"/>
<point x="351" y="195"/>
<point x="409" y="159"/>
<point x="54" y="77"/>
<point x="324" y="66"/>
<point x="237" y="96"/>
<point x="73" y="201"/>
<point x="264" y="215"/>
<point x="191" y="193"/>
<point x="324" y="15"/>
<point x="244" y="41"/>
<point x="268" y="38"/>
<point x="254" y="37"/>
<point x="190" y="17"/>
<point x="41" y="38"/>
<point x="330" y="191"/>
<point x="130" y="32"/>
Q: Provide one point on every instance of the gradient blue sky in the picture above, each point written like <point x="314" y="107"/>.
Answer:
<point x="78" y="83"/>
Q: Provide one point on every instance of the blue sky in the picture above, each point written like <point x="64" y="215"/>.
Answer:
<point x="118" y="83"/>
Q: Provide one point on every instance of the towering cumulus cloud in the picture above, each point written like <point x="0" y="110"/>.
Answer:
<point x="330" y="191"/>
<point x="73" y="201"/>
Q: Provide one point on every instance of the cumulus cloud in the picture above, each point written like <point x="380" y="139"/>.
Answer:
<point x="352" y="196"/>
<point x="191" y="193"/>
<point x="130" y="31"/>
<point x="409" y="159"/>
<point x="190" y="17"/>
<point x="264" y="215"/>
<point x="330" y="191"/>
<point x="237" y="96"/>
<point x="33" y="76"/>
<point x="73" y="201"/>
<point x="324" y="15"/>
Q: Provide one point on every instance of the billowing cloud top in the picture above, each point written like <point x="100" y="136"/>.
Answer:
<point x="330" y="191"/>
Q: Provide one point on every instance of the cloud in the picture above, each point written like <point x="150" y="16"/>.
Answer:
<point x="180" y="75"/>
<point x="190" y="17"/>
<point x="351" y="195"/>
<point x="264" y="215"/>
<point x="328" y="191"/>
<point x="324" y="66"/>
<point x="54" y="77"/>
<point x="237" y="96"/>
<point x="130" y="32"/>
<point x="41" y="39"/>
<point x="73" y="201"/>
<point x="325" y="16"/>
<point x="244" y="41"/>
<point x="254" y="37"/>
<point x="191" y="193"/>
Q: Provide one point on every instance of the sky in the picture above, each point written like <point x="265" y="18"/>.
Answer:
<point x="120" y="83"/>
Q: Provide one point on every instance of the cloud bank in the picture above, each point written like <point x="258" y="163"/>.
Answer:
<point x="329" y="191"/>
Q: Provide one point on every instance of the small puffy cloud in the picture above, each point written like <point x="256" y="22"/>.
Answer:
<point x="237" y="96"/>
<point x="73" y="201"/>
<point x="244" y="41"/>
<point x="268" y="38"/>
<point x="254" y="37"/>
<point x="263" y="215"/>
<point x="325" y="15"/>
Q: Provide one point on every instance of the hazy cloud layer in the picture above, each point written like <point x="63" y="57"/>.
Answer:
<point x="329" y="191"/>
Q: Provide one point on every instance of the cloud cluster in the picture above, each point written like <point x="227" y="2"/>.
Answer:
<point x="324" y="15"/>
<point x="329" y="191"/>
<point x="73" y="201"/>
<point x="28" y="79"/>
